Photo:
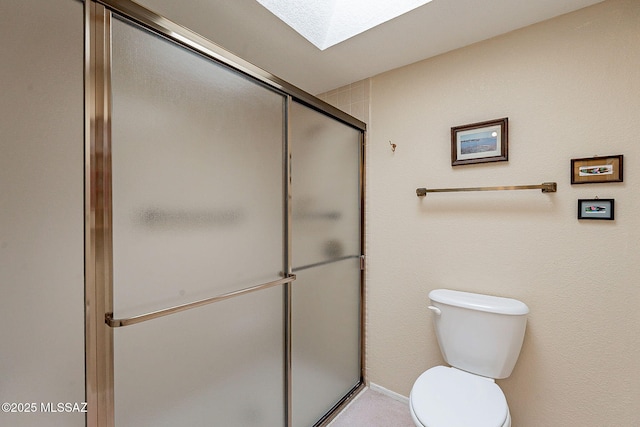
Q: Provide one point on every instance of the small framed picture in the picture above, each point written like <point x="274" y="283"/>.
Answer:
<point x="596" y="209"/>
<point x="596" y="169"/>
<point x="480" y="142"/>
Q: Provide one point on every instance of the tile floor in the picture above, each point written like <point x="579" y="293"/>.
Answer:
<point x="374" y="409"/>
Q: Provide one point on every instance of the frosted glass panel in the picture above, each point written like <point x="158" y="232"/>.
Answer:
<point x="197" y="176"/>
<point x="325" y="338"/>
<point x="325" y="186"/>
<point x="325" y="180"/>
<point x="219" y="365"/>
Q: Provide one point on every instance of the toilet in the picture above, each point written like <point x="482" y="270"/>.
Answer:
<point x="480" y="337"/>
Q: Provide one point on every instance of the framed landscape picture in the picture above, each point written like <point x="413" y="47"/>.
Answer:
<point x="480" y="142"/>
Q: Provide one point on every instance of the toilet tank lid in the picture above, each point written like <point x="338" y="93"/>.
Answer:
<point x="489" y="303"/>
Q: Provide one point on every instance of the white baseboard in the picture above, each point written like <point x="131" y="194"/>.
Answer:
<point x="391" y="394"/>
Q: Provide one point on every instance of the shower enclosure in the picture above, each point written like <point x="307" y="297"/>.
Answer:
<point x="224" y="252"/>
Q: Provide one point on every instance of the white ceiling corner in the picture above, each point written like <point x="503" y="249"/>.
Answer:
<point x="248" y="29"/>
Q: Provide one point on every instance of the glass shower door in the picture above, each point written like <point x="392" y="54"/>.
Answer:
<point x="326" y="310"/>
<point x="197" y="211"/>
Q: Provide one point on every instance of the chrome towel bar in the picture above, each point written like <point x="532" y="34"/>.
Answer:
<point x="546" y="187"/>
<point x="116" y="323"/>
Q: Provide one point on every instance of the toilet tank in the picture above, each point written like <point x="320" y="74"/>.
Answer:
<point x="477" y="333"/>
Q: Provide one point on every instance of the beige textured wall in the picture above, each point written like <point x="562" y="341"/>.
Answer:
<point x="571" y="88"/>
<point x="41" y="210"/>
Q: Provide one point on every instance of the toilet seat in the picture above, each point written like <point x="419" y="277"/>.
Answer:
<point x="445" y="397"/>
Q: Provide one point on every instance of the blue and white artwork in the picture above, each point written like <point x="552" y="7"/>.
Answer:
<point x="480" y="142"/>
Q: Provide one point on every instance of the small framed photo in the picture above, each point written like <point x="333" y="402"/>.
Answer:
<point x="480" y="142"/>
<point x="596" y="209"/>
<point x="596" y="169"/>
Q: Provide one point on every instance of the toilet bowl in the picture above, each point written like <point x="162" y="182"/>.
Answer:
<point x="480" y="337"/>
<point x="449" y="397"/>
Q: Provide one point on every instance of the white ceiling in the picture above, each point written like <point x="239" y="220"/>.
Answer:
<point x="250" y="31"/>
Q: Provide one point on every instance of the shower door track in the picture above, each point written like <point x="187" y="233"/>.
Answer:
<point x="191" y="40"/>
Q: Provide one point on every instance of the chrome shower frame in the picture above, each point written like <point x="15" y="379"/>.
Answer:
<point x="98" y="222"/>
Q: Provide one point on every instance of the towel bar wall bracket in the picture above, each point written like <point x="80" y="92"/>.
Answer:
<point x="546" y="187"/>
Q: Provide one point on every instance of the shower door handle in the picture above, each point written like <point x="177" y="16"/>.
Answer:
<point x="116" y="323"/>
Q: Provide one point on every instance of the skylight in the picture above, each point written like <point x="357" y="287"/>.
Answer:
<point x="328" y="22"/>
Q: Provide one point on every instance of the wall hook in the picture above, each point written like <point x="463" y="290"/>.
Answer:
<point x="393" y="146"/>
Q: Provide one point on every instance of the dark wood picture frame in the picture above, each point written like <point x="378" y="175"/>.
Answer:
<point x="591" y="170"/>
<point x="603" y="209"/>
<point x="481" y="142"/>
